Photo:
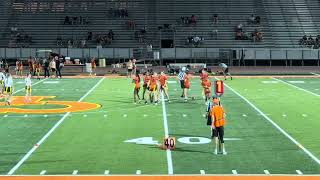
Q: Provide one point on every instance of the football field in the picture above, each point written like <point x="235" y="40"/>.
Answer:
<point x="90" y="126"/>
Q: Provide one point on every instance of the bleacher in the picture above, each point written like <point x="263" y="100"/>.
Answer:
<point x="283" y="22"/>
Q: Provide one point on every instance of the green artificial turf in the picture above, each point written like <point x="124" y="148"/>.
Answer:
<point x="93" y="141"/>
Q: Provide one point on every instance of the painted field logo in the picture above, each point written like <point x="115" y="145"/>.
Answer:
<point x="66" y="106"/>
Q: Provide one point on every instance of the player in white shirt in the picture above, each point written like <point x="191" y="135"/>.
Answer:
<point x="225" y="70"/>
<point x="28" y="88"/>
<point x="2" y="77"/>
<point x="8" y="89"/>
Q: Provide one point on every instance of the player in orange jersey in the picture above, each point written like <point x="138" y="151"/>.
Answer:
<point x="152" y="89"/>
<point x="206" y="84"/>
<point x="136" y="80"/>
<point x="146" y="79"/>
<point x="163" y="85"/>
<point x="203" y="76"/>
<point x="218" y="122"/>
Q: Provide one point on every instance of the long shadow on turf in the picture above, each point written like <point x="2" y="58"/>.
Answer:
<point x="184" y="150"/>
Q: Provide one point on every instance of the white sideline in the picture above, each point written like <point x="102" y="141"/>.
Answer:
<point x="297" y="87"/>
<point x="166" y="133"/>
<point x="25" y="157"/>
<point x="276" y="126"/>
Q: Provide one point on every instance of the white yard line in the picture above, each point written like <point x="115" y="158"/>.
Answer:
<point x="297" y="87"/>
<point x="166" y="133"/>
<point x="299" y="172"/>
<point x="25" y="157"/>
<point x="276" y="126"/>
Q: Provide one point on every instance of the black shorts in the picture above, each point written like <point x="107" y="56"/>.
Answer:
<point x="218" y="132"/>
<point x="129" y="70"/>
<point x="182" y="84"/>
<point x="53" y="69"/>
<point x="226" y="70"/>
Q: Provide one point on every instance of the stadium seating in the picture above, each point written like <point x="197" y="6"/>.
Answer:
<point x="283" y="23"/>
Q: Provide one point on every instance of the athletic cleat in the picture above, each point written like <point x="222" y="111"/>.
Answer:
<point x="215" y="152"/>
<point x="224" y="152"/>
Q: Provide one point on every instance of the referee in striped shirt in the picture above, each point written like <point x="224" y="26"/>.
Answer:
<point x="181" y="77"/>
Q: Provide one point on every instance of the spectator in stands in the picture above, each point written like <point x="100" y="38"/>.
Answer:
<point x="67" y="20"/>
<point x="310" y="41"/>
<point x="83" y="43"/>
<point x="303" y="41"/>
<point x="131" y="24"/>
<point x="257" y="20"/>
<point x="215" y="34"/>
<point x="193" y="20"/>
<point x="215" y="19"/>
<point x="239" y="27"/>
<point x="59" y="41"/>
<point x="251" y="19"/>
<point x="111" y="34"/>
<point x="89" y="36"/>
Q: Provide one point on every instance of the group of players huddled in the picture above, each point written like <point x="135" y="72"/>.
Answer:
<point x="155" y="87"/>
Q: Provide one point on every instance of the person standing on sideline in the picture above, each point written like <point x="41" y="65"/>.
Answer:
<point x="186" y="86"/>
<point x="218" y="121"/>
<point x="181" y="77"/>
<point x="46" y="69"/>
<point x="93" y="67"/>
<point x="58" y="68"/>
<point x="130" y="68"/>
<point x="225" y="70"/>
<point x="53" y="67"/>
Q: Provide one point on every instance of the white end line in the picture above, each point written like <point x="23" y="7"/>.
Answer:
<point x="297" y="87"/>
<point x="276" y="126"/>
<point x="25" y="157"/>
<point x="166" y="133"/>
